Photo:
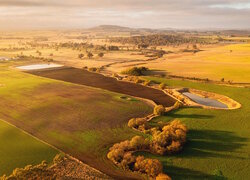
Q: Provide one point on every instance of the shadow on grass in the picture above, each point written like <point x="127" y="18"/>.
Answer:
<point x="184" y="174"/>
<point x="212" y="143"/>
<point x="190" y="116"/>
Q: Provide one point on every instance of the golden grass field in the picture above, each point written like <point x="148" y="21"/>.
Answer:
<point x="231" y="62"/>
<point x="214" y="62"/>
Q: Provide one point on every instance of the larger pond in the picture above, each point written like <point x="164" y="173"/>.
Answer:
<point x="205" y="101"/>
<point x="39" y="66"/>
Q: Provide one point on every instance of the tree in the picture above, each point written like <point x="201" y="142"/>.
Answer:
<point x="162" y="85"/>
<point x="101" y="54"/>
<point x="80" y="56"/>
<point x="159" y="110"/>
<point x="90" y="55"/>
<point x="163" y="176"/>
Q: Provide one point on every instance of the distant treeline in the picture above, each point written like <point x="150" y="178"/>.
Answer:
<point x="160" y="40"/>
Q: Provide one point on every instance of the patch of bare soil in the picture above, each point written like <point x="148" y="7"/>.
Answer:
<point x="87" y="78"/>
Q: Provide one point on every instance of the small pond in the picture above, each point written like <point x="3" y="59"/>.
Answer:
<point x="4" y="58"/>
<point x="205" y="101"/>
<point x="39" y="66"/>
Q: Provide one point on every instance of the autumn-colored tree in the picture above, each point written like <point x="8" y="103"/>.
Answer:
<point x="159" y="110"/>
<point x="163" y="176"/>
<point x="151" y="167"/>
<point x="101" y="54"/>
<point x="90" y="55"/>
<point x="162" y="85"/>
<point x="80" y="56"/>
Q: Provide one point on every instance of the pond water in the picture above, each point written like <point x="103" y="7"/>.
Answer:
<point x="39" y="66"/>
<point x="4" y="58"/>
<point x="205" y="101"/>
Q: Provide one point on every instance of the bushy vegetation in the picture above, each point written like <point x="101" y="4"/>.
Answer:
<point x="138" y="123"/>
<point x="158" y="40"/>
<point x="170" y="139"/>
<point x="162" y="85"/>
<point x="147" y="83"/>
<point x="166" y="140"/>
<point x="136" y="71"/>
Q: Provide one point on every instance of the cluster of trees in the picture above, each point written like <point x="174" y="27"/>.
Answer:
<point x="136" y="71"/>
<point x="159" y="110"/>
<point x="138" y="123"/>
<point x="121" y="155"/>
<point x="168" y="139"/>
<point x="158" y="40"/>
<point x="90" y="55"/>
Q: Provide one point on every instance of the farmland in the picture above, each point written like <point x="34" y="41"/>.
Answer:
<point x="68" y="116"/>
<point x="83" y="111"/>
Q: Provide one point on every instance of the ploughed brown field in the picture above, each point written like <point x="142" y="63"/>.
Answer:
<point x="83" y="77"/>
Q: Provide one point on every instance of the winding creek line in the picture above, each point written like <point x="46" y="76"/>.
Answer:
<point x="84" y="77"/>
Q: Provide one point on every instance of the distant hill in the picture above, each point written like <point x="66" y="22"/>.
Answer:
<point x="111" y="28"/>
<point x="148" y="31"/>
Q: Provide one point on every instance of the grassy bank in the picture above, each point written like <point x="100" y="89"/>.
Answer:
<point x="19" y="149"/>
<point x="218" y="140"/>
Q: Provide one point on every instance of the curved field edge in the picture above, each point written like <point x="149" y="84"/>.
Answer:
<point x="218" y="140"/>
<point x="79" y="120"/>
<point x="19" y="149"/>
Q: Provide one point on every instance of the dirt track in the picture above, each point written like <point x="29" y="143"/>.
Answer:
<point x="87" y="78"/>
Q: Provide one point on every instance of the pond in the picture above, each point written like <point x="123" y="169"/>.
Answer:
<point x="205" y="101"/>
<point x="39" y="66"/>
<point x="4" y="58"/>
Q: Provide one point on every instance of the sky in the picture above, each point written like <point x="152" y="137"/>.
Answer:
<point x="74" y="14"/>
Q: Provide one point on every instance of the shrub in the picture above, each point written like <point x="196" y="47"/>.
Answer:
<point x="80" y="56"/>
<point x="163" y="176"/>
<point x="139" y="143"/>
<point x="136" y="71"/>
<point x="138" y="123"/>
<point x="90" y="55"/>
<point x="101" y="54"/>
<point x="93" y="69"/>
<point x="137" y="81"/>
<point x="177" y="105"/>
<point x="128" y="161"/>
<point x="147" y="83"/>
<point x="162" y="85"/>
<point x="151" y="167"/>
<point x="159" y="110"/>
<point x="170" y="139"/>
<point x="58" y="158"/>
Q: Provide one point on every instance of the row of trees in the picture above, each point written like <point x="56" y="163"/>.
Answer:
<point x="159" y="40"/>
<point x="90" y="55"/>
<point x="121" y="155"/>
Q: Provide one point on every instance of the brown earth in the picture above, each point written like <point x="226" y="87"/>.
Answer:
<point x="87" y="78"/>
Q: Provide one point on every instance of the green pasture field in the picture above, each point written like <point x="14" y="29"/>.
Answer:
<point x="218" y="140"/>
<point x="19" y="149"/>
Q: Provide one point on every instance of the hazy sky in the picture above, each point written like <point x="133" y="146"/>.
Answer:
<point x="47" y="14"/>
